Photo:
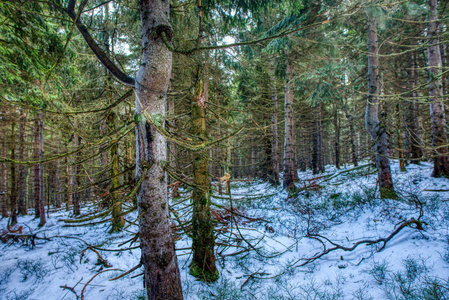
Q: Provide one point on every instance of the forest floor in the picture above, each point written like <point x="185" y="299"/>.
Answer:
<point x="272" y="247"/>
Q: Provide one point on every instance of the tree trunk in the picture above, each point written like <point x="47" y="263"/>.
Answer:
<point x="13" y="201"/>
<point x="203" y="239"/>
<point x="22" y="169"/>
<point x="161" y="273"/>
<point x="375" y="129"/>
<point x="57" y="185"/>
<point x="36" y="167"/>
<point x="336" y="138"/>
<point x="274" y="127"/>
<point x="39" y="192"/>
<point x="350" y="119"/>
<point x="289" y="139"/>
<point x="437" y="114"/>
<point x="75" y="180"/>
<point x="3" y="185"/>
<point x="412" y="118"/>
<point x="117" y="218"/>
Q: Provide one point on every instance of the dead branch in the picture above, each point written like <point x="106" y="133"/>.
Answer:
<point x="127" y="272"/>
<point x="64" y="287"/>
<point x="384" y="241"/>
<point x="100" y="261"/>
<point x="90" y="280"/>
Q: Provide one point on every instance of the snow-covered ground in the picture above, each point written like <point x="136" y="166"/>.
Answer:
<point x="265" y="255"/>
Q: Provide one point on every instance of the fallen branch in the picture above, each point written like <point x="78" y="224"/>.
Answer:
<point x="100" y="261"/>
<point x="127" y="272"/>
<point x="90" y="280"/>
<point x="320" y="238"/>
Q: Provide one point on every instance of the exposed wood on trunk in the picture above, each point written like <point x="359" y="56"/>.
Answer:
<point x="203" y="239"/>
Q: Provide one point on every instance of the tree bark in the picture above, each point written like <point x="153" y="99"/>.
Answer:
<point x="39" y="192"/>
<point x="412" y="118"/>
<point x="374" y="127"/>
<point x="289" y="129"/>
<point x="22" y="169"/>
<point x="3" y="185"/>
<point x="336" y="138"/>
<point x="437" y="114"/>
<point x="75" y="180"/>
<point x="274" y="127"/>
<point x="117" y="218"/>
<point x="203" y="239"/>
<point x="13" y="201"/>
<point x="161" y="273"/>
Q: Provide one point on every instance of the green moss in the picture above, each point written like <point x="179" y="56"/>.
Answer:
<point x="387" y="193"/>
<point x="201" y="274"/>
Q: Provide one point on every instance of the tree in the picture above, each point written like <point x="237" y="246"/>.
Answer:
<point x="375" y="128"/>
<point x="437" y="114"/>
<point x="161" y="275"/>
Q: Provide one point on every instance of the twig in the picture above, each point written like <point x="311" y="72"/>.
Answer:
<point x="127" y="272"/>
<point x="90" y="280"/>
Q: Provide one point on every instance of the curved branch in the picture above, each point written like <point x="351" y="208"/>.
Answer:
<point x="104" y="59"/>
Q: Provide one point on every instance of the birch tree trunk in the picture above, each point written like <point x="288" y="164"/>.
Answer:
<point x="437" y="114"/>
<point x="375" y="129"/>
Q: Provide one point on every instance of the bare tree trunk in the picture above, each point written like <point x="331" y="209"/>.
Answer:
<point x="57" y="185"/>
<point x="412" y="118"/>
<point x="161" y="274"/>
<point x="336" y="137"/>
<point x="377" y="130"/>
<point x="350" y="119"/>
<point x="274" y="126"/>
<point x="69" y="186"/>
<point x="437" y="114"/>
<point x="319" y="130"/>
<point x="117" y="218"/>
<point x="23" y="170"/>
<point x="13" y="176"/>
<point x="75" y="180"/>
<point x="3" y="185"/>
<point x="289" y="139"/>
<point x="39" y="192"/>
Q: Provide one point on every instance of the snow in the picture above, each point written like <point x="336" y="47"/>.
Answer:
<point x="345" y="209"/>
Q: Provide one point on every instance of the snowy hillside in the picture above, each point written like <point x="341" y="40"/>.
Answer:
<point x="271" y="247"/>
